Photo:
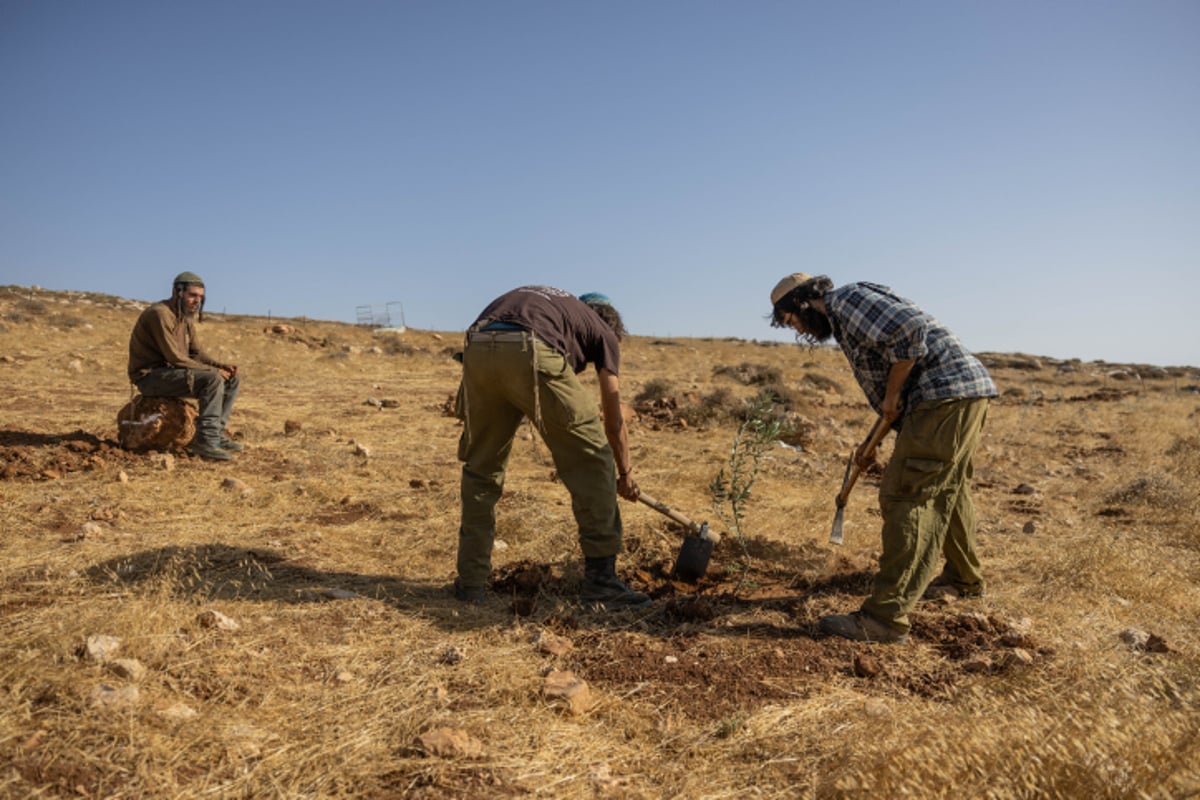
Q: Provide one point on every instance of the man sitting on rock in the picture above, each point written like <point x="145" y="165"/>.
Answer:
<point x="165" y="360"/>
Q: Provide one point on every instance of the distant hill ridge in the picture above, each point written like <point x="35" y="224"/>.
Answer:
<point x="1019" y="361"/>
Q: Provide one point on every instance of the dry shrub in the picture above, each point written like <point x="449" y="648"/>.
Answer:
<point x="28" y="307"/>
<point x="749" y="374"/>
<point x="716" y="407"/>
<point x="823" y="383"/>
<point x="653" y="390"/>
<point x="396" y="346"/>
<point x="1159" y="490"/>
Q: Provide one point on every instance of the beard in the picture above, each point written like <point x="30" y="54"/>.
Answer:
<point x="817" y="327"/>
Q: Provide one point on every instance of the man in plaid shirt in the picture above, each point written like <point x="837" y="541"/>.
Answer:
<point x="922" y="382"/>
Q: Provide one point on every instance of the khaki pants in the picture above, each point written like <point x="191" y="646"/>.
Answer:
<point x="500" y="372"/>
<point x="925" y="499"/>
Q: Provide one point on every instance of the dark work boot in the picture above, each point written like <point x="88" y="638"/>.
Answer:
<point x="603" y="589"/>
<point x="208" y="451"/>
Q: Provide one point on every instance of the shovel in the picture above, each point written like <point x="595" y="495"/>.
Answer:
<point x="852" y="469"/>
<point x="697" y="547"/>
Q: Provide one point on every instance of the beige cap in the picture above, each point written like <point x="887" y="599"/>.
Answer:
<point x="786" y="285"/>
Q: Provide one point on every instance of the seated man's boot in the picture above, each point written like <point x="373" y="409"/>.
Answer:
<point x="201" y="448"/>
<point x="602" y="588"/>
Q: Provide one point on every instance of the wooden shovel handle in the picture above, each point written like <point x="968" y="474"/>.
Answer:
<point x="852" y="469"/>
<point x="669" y="512"/>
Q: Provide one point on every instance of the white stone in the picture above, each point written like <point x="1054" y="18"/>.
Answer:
<point x="101" y="647"/>
<point x="215" y="619"/>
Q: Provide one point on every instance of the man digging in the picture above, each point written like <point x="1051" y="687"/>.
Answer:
<point x="165" y="360"/>
<point x="922" y="382"/>
<point x="521" y="359"/>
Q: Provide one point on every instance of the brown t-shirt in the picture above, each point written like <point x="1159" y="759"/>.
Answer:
<point x="162" y="339"/>
<point x="562" y="321"/>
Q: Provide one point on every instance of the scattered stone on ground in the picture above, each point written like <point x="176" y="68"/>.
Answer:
<point x="452" y="655"/>
<point x="450" y="743"/>
<point x="551" y="644"/>
<point x="566" y="686"/>
<point x="128" y="668"/>
<point x="101" y="647"/>
<point x="105" y="696"/>
<point x="179" y="712"/>
<point x="211" y="618"/>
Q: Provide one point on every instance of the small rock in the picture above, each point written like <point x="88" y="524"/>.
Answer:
<point x="450" y="743"/>
<point x="554" y="645"/>
<point x="452" y="655"/>
<point x="1135" y="638"/>
<point x="670" y="659"/>
<point x="215" y="619"/>
<point x="874" y="707"/>
<point x="340" y="594"/>
<point x="179" y="712"/>
<point x="74" y="365"/>
<point x="106" y="696"/>
<point x="1018" y="657"/>
<point x="128" y="668"/>
<point x="1030" y="527"/>
<point x="91" y="530"/>
<point x="565" y="685"/>
<point x="371" y="401"/>
<point x="1014" y="639"/>
<point x="977" y="664"/>
<point x="234" y="484"/>
<point x="344" y="676"/>
<point x="1157" y="644"/>
<point x="163" y="461"/>
<point x="123" y="477"/>
<point x="291" y="426"/>
<point x="1024" y="488"/>
<point x="101" y="648"/>
<point x="499" y="545"/>
<point x="866" y="666"/>
<point x="361" y="449"/>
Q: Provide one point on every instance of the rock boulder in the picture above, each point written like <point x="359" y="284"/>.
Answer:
<point x="156" y="423"/>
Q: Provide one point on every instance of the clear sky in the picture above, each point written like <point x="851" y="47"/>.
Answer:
<point x="1026" y="171"/>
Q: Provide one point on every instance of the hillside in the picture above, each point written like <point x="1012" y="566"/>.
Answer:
<point x="280" y="625"/>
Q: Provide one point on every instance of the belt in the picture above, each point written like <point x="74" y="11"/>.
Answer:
<point x="499" y="336"/>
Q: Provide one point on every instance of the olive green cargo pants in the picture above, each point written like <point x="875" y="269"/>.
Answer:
<point x="925" y="500"/>
<point x="498" y="390"/>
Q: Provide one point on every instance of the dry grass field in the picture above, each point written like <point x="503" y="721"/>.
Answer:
<point x="337" y="665"/>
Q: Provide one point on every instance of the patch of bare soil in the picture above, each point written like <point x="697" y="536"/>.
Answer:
<point x="735" y="641"/>
<point x="49" y="456"/>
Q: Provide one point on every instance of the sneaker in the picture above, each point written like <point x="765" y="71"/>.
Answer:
<point x="230" y="445"/>
<point x="861" y="627"/>
<point x="469" y="594"/>
<point x="207" y="451"/>
<point x="603" y="590"/>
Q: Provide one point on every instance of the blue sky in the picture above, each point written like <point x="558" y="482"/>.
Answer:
<point x="1028" y="172"/>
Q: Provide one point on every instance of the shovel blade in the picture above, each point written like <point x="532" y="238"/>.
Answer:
<point x="836" y="535"/>
<point x="692" y="562"/>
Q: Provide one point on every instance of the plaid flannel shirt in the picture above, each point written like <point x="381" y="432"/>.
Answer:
<point x="876" y="328"/>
